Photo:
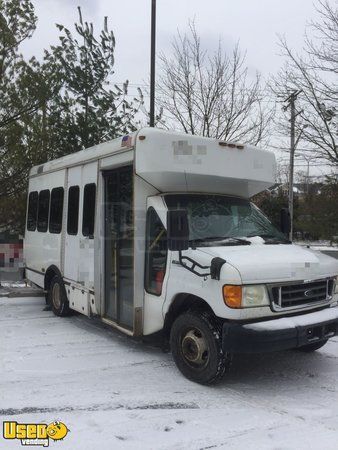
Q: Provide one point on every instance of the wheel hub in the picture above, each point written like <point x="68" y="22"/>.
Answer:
<point x="56" y="296"/>
<point x="195" y="348"/>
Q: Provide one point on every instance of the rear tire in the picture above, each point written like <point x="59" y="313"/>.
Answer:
<point x="57" y="297"/>
<point x="196" y="346"/>
<point x="312" y="347"/>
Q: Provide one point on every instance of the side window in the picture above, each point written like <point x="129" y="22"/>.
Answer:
<point x="56" y="209"/>
<point x="32" y="210"/>
<point x="73" y="210"/>
<point x="88" y="220"/>
<point x="43" y="210"/>
<point x="156" y="253"/>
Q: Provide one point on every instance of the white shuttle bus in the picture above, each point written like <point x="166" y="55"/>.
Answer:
<point x="155" y="232"/>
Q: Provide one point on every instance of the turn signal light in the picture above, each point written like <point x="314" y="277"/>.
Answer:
<point x="232" y="296"/>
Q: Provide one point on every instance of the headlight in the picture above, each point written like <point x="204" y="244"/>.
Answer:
<point x="255" y="296"/>
<point x="245" y="296"/>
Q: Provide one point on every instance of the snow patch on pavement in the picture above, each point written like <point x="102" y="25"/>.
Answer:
<point x="114" y="392"/>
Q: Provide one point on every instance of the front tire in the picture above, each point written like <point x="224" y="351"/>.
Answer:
<point x="308" y="348"/>
<point x="196" y="346"/>
<point x="57" y="297"/>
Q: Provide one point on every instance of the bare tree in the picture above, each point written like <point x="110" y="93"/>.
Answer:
<point x="314" y="74"/>
<point x="211" y="94"/>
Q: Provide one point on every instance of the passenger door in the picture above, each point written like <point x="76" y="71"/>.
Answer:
<point x="119" y="246"/>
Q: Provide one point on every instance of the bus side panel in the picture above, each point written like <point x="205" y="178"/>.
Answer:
<point x="72" y="244"/>
<point x="79" y="249"/>
<point x="43" y="249"/>
<point x="86" y="252"/>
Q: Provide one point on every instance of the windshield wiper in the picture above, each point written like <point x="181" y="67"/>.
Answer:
<point x="225" y="240"/>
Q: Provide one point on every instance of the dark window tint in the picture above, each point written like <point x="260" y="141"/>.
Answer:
<point x="89" y="196"/>
<point x="43" y="210"/>
<point x="32" y="210"/>
<point x="212" y="217"/>
<point x="56" y="209"/>
<point x="156" y="253"/>
<point x="73" y="210"/>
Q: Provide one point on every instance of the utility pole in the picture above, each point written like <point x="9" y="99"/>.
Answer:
<point x="292" y="157"/>
<point x="291" y="101"/>
<point x="152" y="63"/>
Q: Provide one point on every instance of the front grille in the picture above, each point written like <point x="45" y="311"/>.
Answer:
<point x="301" y="294"/>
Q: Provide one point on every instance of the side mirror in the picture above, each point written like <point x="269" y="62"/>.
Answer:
<point x="177" y="230"/>
<point x="285" y="221"/>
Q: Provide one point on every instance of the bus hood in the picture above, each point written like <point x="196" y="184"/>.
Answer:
<point x="261" y="263"/>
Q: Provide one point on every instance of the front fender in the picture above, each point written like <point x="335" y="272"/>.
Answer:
<point x="182" y="280"/>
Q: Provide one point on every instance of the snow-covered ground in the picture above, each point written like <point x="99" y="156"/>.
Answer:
<point x="117" y="393"/>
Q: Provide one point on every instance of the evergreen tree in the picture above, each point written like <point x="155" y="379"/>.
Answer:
<point x="86" y="111"/>
<point x="54" y="107"/>
<point x="21" y="95"/>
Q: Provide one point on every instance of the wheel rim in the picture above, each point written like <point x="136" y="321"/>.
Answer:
<point x="195" y="349"/>
<point x="56" y="297"/>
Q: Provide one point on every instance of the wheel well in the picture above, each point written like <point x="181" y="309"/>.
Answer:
<point x="50" y="274"/>
<point x="181" y="303"/>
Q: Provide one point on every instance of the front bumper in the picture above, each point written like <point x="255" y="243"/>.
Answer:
<point x="280" y="334"/>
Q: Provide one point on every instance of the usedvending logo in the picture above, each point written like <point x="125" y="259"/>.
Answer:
<point x="35" y="433"/>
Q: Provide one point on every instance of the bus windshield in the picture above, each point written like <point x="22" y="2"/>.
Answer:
<point x="214" y="218"/>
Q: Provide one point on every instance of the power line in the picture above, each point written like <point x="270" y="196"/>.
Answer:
<point x="297" y="149"/>
<point x="312" y="165"/>
<point x="120" y="83"/>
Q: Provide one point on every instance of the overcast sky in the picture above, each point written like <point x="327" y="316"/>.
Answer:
<point x="254" y="23"/>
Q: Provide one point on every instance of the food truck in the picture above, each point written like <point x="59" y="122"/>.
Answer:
<point x="154" y="232"/>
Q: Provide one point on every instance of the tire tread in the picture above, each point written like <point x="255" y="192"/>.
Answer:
<point x="215" y="327"/>
<point x="64" y="310"/>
